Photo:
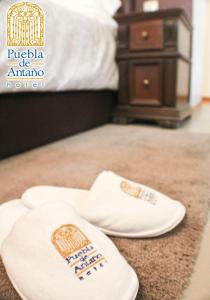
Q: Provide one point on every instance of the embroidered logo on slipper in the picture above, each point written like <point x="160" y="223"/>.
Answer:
<point x="137" y="192"/>
<point x="78" y="251"/>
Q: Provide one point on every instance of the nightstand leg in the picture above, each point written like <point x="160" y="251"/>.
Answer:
<point x="169" y="124"/>
<point x="122" y="120"/>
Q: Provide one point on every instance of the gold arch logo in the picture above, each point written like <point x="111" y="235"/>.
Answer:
<point x="130" y="189"/>
<point x="69" y="239"/>
<point x="25" y="25"/>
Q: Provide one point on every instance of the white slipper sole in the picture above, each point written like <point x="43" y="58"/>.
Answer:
<point x="150" y="234"/>
<point x="24" y="298"/>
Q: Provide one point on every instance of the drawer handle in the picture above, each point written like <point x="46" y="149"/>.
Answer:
<point x="146" y="82"/>
<point x="145" y="35"/>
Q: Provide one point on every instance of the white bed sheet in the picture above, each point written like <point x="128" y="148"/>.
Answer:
<point x="79" y="49"/>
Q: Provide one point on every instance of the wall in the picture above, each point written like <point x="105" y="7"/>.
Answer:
<point x="199" y="24"/>
<point x="206" y="79"/>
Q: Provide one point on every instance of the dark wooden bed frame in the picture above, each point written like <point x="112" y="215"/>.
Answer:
<point x="29" y="120"/>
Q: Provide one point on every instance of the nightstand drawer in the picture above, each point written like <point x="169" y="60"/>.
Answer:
<point x="146" y="35"/>
<point x="145" y="83"/>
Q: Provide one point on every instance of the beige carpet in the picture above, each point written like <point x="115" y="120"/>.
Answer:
<point x="175" y="163"/>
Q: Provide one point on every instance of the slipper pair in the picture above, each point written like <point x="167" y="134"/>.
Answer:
<point x="51" y="253"/>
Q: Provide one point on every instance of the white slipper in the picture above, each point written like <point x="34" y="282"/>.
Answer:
<point x="10" y="212"/>
<point x="117" y="206"/>
<point x="51" y="253"/>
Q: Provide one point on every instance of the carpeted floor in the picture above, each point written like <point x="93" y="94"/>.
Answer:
<point x="175" y="163"/>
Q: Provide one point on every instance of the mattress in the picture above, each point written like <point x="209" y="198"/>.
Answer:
<point x="78" y="54"/>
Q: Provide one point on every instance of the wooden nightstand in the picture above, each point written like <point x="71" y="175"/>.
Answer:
<point x="154" y="58"/>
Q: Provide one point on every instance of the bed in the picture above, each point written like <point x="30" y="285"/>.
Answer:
<point x="80" y="81"/>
